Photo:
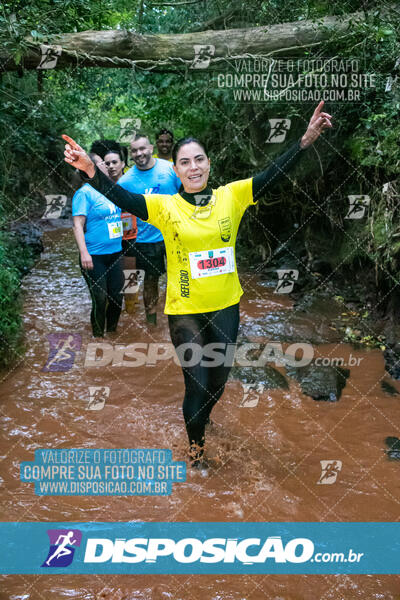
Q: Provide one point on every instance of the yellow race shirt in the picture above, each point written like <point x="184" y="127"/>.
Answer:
<point x="200" y="246"/>
<point x="168" y="159"/>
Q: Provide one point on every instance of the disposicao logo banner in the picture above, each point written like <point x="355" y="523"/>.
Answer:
<point x="200" y="548"/>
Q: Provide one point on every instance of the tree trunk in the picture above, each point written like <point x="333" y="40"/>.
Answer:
<point x="165" y="52"/>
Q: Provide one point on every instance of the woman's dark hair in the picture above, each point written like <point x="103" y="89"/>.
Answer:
<point x="118" y="151"/>
<point x="103" y="147"/>
<point x="182" y="142"/>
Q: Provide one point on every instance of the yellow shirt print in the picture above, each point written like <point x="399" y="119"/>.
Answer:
<point x="200" y="247"/>
<point x="168" y="159"/>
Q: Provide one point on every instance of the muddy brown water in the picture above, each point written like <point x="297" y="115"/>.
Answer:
<point x="265" y="459"/>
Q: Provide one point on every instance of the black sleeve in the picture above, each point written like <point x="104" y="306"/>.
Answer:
<point x="279" y="167"/>
<point x="131" y="203"/>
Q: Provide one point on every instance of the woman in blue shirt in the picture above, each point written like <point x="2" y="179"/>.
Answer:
<point x="98" y="234"/>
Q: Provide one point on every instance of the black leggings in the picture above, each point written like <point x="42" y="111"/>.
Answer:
<point x="204" y="385"/>
<point x="105" y="282"/>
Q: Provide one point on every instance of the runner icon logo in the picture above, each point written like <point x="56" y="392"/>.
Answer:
<point x="49" y="56"/>
<point x="357" y="207"/>
<point x="278" y="131"/>
<point x="390" y="82"/>
<point x="329" y="471"/>
<point x="54" y="206"/>
<point x="202" y="56"/>
<point x="133" y="279"/>
<point x="128" y="129"/>
<point x="63" y="347"/>
<point x="97" y="397"/>
<point x="251" y="394"/>
<point x="62" y="547"/>
<point x="286" y="280"/>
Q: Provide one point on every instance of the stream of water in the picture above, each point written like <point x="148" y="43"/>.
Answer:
<point x="264" y="458"/>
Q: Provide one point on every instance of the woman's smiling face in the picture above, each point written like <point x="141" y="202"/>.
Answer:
<point x="192" y="167"/>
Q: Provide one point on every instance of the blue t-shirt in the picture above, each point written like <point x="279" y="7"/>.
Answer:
<point x="103" y="233"/>
<point x="160" y="179"/>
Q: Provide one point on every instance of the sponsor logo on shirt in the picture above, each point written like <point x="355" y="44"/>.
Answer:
<point x="225" y="228"/>
<point x="184" y="282"/>
<point x="112" y="207"/>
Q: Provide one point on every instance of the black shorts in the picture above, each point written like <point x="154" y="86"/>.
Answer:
<point x="150" y="258"/>
<point x="129" y="247"/>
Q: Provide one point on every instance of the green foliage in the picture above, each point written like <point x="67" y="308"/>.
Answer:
<point x="359" y="155"/>
<point x="14" y="262"/>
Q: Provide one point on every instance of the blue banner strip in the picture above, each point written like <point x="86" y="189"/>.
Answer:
<point x="199" y="548"/>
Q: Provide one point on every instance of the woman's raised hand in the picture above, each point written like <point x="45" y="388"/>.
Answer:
<point x="318" y="123"/>
<point x="77" y="157"/>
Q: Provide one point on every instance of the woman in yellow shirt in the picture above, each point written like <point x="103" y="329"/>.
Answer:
<point x="199" y="226"/>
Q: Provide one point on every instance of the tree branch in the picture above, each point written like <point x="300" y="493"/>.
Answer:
<point x="128" y="49"/>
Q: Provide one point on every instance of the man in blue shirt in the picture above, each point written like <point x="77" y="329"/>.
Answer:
<point x="149" y="175"/>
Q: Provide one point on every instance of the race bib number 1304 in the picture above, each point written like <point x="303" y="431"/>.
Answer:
<point x="208" y="263"/>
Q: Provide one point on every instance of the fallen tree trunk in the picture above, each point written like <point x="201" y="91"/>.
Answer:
<point x="165" y="52"/>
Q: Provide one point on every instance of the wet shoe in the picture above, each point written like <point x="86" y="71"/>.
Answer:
<point x="200" y="465"/>
<point x="196" y="456"/>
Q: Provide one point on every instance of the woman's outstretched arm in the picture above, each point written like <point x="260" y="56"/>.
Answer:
<point x="276" y="170"/>
<point x="129" y="202"/>
<point x="281" y="165"/>
<point x="135" y="204"/>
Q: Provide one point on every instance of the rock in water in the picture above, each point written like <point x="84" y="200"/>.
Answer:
<point x="392" y="361"/>
<point x="28" y="238"/>
<point x="269" y="377"/>
<point x="394" y="448"/>
<point x="28" y="235"/>
<point x="388" y="388"/>
<point x="321" y="383"/>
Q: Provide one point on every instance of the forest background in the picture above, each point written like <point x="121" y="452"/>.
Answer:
<point x="305" y="224"/>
